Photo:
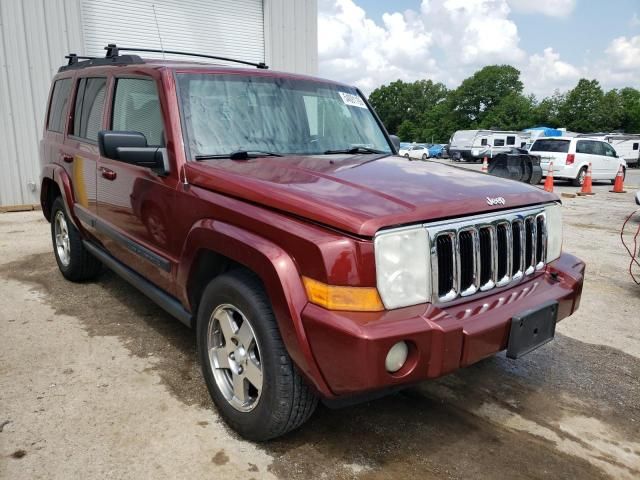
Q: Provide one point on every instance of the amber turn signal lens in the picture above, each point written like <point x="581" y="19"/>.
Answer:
<point x="353" y="299"/>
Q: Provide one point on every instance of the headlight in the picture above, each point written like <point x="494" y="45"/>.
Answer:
<point x="402" y="267"/>
<point x="554" y="231"/>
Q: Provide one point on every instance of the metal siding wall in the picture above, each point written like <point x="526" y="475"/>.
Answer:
<point x="291" y="35"/>
<point x="34" y="37"/>
<point x="36" y="34"/>
<point x="228" y="28"/>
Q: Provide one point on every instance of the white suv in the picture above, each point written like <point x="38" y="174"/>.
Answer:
<point x="571" y="157"/>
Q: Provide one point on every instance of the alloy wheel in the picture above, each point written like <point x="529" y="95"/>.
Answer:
<point x="234" y="356"/>
<point x="61" y="233"/>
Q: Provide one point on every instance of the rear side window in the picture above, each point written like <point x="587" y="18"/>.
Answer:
<point x="584" y="146"/>
<point x="511" y="140"/>
<point x="58" y="108"/>
<point x="483" y="142"/>
<point x="635" y="146"/>
<point x="87" y="117"/>
<point x="498" y="142"/>
<point x="557" y="146"/>
<point x="136" y="107"/>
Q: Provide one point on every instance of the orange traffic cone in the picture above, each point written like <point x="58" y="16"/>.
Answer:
<point x="548" y="182"/>
<point x="618" y="186"/>
<point x="485" y="165"/>
<point x="586" y="186"/>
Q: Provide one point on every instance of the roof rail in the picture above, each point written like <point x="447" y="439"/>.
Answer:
<point x="113" y="51"/>
<point x="75" y="63"/>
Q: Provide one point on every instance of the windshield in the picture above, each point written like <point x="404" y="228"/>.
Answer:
<point x="230" y="113"/>
<point x="557" y="146"/>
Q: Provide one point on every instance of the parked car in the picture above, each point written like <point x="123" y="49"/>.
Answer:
<point x="627" y="146"/>
<point x="571" y="157"/>
<point x="267" y="211"/>
<point x="436" y="150"/>
<point x="418" y="152"/>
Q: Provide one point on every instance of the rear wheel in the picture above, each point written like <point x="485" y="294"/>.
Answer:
<point x="246" y="367"/>
<point x="579" y="180"/>
<point x="74" y="261"/>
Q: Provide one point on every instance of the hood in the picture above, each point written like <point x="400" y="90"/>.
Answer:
<point x="361" y="193"/>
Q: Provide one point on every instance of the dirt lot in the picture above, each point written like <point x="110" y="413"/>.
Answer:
<point x="97" y="382"/>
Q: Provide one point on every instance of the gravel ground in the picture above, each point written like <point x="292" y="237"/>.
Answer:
<point x="97" y="382"/>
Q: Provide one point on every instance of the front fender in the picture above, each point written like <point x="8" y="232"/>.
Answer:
<point x="278" y="273"/>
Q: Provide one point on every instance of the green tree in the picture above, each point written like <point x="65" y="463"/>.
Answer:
<point x="547" y="110"/>
<point x="513" y="112"/>
<point x="478" y="94"/>
<point x="582" y="109"/>
<point x="630" y="100"/>
<point x="408" y="131"/>
<point x="400" y="101"/>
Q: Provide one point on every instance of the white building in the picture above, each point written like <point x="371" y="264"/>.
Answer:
<point x="35" y="35"/>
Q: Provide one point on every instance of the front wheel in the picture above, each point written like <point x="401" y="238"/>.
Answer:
<point x="424" y="156"/>
<point x="248" y="372"/>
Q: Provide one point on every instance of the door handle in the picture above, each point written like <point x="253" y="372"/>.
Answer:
<point x="67" y="158"/>
<point x="107" y="173"/>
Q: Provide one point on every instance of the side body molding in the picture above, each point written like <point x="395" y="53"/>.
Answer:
<point x="278" y="273"/>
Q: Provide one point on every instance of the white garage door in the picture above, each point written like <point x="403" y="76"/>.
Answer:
<point x="229" y="28"/>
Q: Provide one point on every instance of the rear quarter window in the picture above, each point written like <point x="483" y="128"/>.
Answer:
<point x="557" y="146"/>
<point x="58" y="108"/>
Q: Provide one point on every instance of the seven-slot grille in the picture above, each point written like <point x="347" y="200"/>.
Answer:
<point x="478" y="254"/>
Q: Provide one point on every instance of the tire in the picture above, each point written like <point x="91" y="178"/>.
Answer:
<point x="283" y="402"/>
<point x="579" y="180"/>
<point x="424" y="156"/>
<point x="406" y="155"/>
<point x="74" y="261"/>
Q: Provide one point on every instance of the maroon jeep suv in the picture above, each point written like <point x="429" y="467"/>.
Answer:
<point x="269" y="212"/>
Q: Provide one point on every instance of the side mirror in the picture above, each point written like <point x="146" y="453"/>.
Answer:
<point x="131" y="147"/>
<point x="395" y="140"/>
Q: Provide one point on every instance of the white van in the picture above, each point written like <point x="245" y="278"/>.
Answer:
<point x="474" y="145"/>
<point x="571" y="157"/>
<point x="627" y="146"/>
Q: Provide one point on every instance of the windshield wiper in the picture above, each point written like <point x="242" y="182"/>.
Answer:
<point x="354" y="150"/>
<point x="239" y="155"/>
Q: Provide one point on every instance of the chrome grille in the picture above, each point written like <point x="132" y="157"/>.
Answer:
<point x="483" y="252"/>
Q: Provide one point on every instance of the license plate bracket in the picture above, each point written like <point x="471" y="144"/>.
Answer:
<point x="532" y="329"/>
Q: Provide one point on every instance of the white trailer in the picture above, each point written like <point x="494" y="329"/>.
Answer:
<point x="474" y="145"/>
<point x="627" y="146"/>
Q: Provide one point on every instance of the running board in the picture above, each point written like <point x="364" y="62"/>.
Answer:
<point x="165" y="301"/>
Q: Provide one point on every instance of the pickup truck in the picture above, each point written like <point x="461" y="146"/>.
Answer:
<point x="269" y="212"/>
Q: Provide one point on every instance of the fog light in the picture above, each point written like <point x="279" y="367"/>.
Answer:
<point x="396" y="357"/>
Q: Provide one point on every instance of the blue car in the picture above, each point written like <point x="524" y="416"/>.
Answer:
<point x="435" y="150"/>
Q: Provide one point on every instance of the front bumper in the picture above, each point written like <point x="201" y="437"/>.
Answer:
<point x="350" y="348"/>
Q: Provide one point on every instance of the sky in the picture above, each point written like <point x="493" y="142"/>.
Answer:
<point x="553" y="43"/>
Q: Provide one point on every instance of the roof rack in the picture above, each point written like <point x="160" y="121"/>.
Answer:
<point x="113" y="57"/>
<point x="113" y="51"/>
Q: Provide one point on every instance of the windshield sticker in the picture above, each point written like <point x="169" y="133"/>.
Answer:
<point x="352" y="100"/>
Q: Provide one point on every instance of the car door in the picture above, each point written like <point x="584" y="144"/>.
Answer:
<point x="599" y="160"/>
<point x="134" y="202"/>
<point x="610" y="160"/>
<point x="585" y="154"/>
<point x="81" y="145"/>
